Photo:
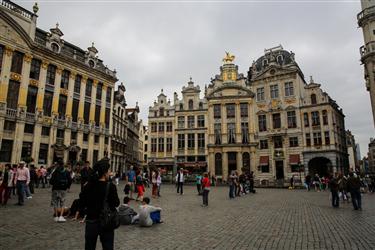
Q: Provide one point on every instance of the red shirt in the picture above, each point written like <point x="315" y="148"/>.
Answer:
<point x="206" y="182"/>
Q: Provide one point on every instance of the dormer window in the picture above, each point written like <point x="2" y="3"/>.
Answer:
<point x="91" y="63"/>
<point x="265" y="62"/>
<point x="200" y="105"/>
<point x="191" y="105"/>
<point x="313" y="99"/>
<point x="181" y="106"/>
<point x="55" y="48"/>
<point x="279" y="59"/>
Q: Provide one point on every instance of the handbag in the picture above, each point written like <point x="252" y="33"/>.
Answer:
<point x="109" y="219"/>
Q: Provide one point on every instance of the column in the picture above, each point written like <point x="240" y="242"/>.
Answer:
<point x="239" y="162"/>
<point x="67" y="135"/>
<point x="102" y="122"/>
<point x="82" y="99"/>
<point x="56" y="93"/>
<point x="211" y="163"/>
<point x="22" y="97"/>
<point x="224" y="129"/>
<point x="93" y="101"/>
<point x="110" y="120"/>
<point x="41" y="87"/>
<point x="36" y="142"/>
<point x="17" y="142"/>
<point x="252" y="121"/>
<point x="225" y="165"/>
<point x="253" y="159"/>
<point x="238" y="123"/>
<point x="69" y="103"/>
<point x="5" y="75"/>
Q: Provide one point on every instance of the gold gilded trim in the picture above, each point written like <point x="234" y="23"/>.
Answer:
<point x="9" y="51"/>
<point x="27" y="58"/>
<point x="64" y="92"/>
<point x="34" y="82"/>
<point x="15" y="77"/>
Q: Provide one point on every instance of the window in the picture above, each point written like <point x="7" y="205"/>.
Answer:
<point x="167" y="112"/>
<point x="190" y="159"/>
<point x="181" y="106"/>
<point x="181" y="141"/>
<point x="88" y="87"/>
<point x="97" y="115"/>
<point x="17" y="61"/>
<point x="262" y="123"/>
<point x="191" y="121"/>
<point x="191" y="141"/>
<point x="95" y="156"/>
<point x="84" y="155"/>
<point x="191" y="105"/>
<point x="326" y="138"/>
<point x="325" y="117"/>
<point x="85" y="137"/>
<point x="96" y="139"/>
<point x="55" y="47"/>
<point x="77" y="84"/>
<point x="153" y="127"/>
<point x="60" y="133"/>
<point x="292" y="120"/>
<point x="161" y="112"/>
<point x="107" y="117"/>
<point x="169" y="126"/>
<point x="231" y="133"/>
<point x="313" y="99"/>
<point x="244" y="110"/>
<point x="201" y="140"/>
<point x="265" y="168"/>
<point x="201" y="105"/>
<point x="169" y="144"/>
<point x="99" y="89"/>
<point x="9" y="125"/>
<point x="217" y="131"/>
<point x="28" y="129"/>
<point x="47" y="103"/>
<point x="218" y="164"/>
<point x="155" y="113"/>
<point x="75" y="110"/>
<point x="279" y="59"/>
<point x="276" y="121"/>
<point x="43" y="153"/>
<point x="153" y="145"/>
<point x="35" y="69"/>
<point x="278" y="141"/>
<point x="289" y="89"/>
<point x="108" y="97"/>
<point x="306" y="119"/>
<point x="317" y="138"/>
<point x="46" y="131"/>
<point x="51" y="74"/>
<point x="65" y="79"/>
<point x="86" y="113"/>
<point x="274" y="91"/>
<point x="260" y="94"/>
<point x="62" y="106"/>
<point x="181" y="122"/>
<point x="1" y="56"/>
<point x="32" y="94"/>
<point x="73" y="136"/>
<point x="201" y="158"/>
<point x="293" y="141"/>
<point x="161" y="127"/>
<point x="245" y="132"/>
<point x="263" y="144"/>
<point x="91" y="64"/>
<point x="308" y="139"/>
<point x="200" y="121"/>
<point x="6" y="150"/>
<point x="217" y="111"/>
<point x="12" y="95"/>
<point x="231" y="110"/>
<point x="315" y="118"/>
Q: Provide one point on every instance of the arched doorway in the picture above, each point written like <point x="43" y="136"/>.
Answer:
<point x="232" y="161"/>
<point x="218" y="164"/>
<point x="320" y="165"/>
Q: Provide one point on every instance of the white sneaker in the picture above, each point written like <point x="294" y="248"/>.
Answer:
<point x="61" y="219"/>
<point x="56" y="219"/>
<point x="29" y="197"/>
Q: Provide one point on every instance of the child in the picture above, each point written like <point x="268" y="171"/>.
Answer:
<point x="148" y="214"/>
<point x="126" y="213"/>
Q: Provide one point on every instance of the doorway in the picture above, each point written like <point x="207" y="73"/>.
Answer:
<point x="279" y="170"/>
<point x="232" y="162"/>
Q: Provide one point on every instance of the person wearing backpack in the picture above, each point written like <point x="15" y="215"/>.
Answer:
<point x="60" y="182"/>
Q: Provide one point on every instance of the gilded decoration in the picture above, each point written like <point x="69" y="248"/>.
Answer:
<point x="8" y="51"/>
<point x="261" y="106"/>
<point x="289" y="101"/>
<point x="228" y="58"/>
<point x="84" y="78"/>
<point x="15" y="77"/>
<point x="59" y="70"/>
<point x="64" y="92"/>
<point x="73" y="75"/>
<point x="47" y="120"/>
<point x="95" y="83"/>
<point x="275" y="103"/>
<point x="44" y="65"/>
<point x="27" y="58"/>
<point x="34" y="82"/>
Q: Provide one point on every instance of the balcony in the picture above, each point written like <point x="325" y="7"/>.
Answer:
<point x="97" y="129"/>
<point x="74" y="126"/>
<point x="11" y="113"/>
<point x="365" y="14"/>
<point x="86" y="128"/>
<point x="61" y="122"/>
<point x="16" y="8"/>
<point x="367" y="49"/>
<point x="30" y="117"/>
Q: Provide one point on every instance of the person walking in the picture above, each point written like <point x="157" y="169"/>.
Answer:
<point x="180" y="181"/>
<point x="92" y="200"/>
<point x="130" y="178"/>
<point x="6" y="184"/>
<point x="22" y="179"/>
<point x="154" y="184"/>
<point x="308" y="182"/>
<point x="317" y="182"/>
<point x="198" y="181"/>
<point x="33" y="178"/>
<point x="85" y="174"/>
<point x="334" y="186"/>
<point x="206" y="185"/>
<point x="158" y="181"/>
<point x="231" y="182"/>
<point x="60" y="182"/>
<point x="354" y="187"/>
<point x="140" y="186"/>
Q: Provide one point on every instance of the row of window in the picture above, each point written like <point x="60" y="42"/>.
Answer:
<point x="161" y="126"/>
<point x="191" y="139"/>
<point x="274" y="91"/>
<point x="191" y="121"/>
<point x="276" y="121"/>
<point x="231" y="132"/>
<point x="161" y="145"/>
<point x="278" y="142"/>
<point x="315" y="118"/>
<point x="231" y="110"/>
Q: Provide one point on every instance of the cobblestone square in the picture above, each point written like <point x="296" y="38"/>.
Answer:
<point x="269" y="219"/>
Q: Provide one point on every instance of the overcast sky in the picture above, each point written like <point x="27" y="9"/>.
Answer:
<point x="155" y="45"/>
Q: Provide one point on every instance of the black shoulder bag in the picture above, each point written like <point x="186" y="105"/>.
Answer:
<point x="109" y="219"/>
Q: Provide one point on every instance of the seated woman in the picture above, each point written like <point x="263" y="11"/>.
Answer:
<point x="126" y="213"/>
<point x="148" y="215"/>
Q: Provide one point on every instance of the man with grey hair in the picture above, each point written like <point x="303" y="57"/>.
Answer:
<point x="180" y="181"/>
<point x="21" y="181"/>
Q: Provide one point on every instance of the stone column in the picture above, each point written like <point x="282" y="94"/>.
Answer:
<point x="36" y="142"/>
<point x="90" y="151"/>
<point x="253" y="160"/>
<point x="5" y="75"/>
<point x="41" y="87"/>
<point x="22" y="97"/>
<point x="69" y="103"/>
<point x="239" y="162"/>
<point x="17" y="143"/>
<point x="224" y="123"/>
<point x="81" y="106"/>
<point x="102" y="122"/>
<point x="225" y="165"/>
<point x="211" y="163"/>
<point x="56" y="93"/>
<point x="111" y="121"/>
<point x="238" y="123"/>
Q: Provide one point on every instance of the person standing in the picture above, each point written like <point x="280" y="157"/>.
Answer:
<point x="130" y="177"/>
<point x="92" y="201"/>
<point x="6" y="184"/>
<point x="308" y="182"/>
<point x="60" y="182"/>
<point x="206" y="185"/>
<point x="354" y="186"/>
<point x="139" y="185"/>
<point x="154" y="184"/>
<point x="158" y="182"/>
<point x="85" y="174"/>
<point x="198" y="181"/>
<point x="231" y="182"/>
<point x="22" y="179"/>
<point x="180" y="181"/>
<point x="33" y="178"/>
<point x="334" y="186"/>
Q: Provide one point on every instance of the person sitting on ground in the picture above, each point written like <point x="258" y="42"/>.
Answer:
<point x="76" y="211"/>
<point x="126" y="213"/>
<point x="148" y="215"/>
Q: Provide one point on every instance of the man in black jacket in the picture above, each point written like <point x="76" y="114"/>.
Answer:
<point x="354" y="186"/>
<point x="334" y="186"/>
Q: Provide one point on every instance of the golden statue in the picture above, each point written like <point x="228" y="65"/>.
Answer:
<point x="228" y="58"/>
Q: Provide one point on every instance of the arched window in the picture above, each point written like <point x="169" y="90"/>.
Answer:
<point x="118" y="111"/>
<point x="246" y="161"/>
<point x="313" y="99"/>
<point x="200" y="105"/>
<point x="191" y="105"/>
<point x="265" y="62"/>
<point x="181" y="106"/>
<point x="218" y="164"/>
<point x="55" y="48"/>
<point x="279" y="59"/>
<point x="122" y="114"/>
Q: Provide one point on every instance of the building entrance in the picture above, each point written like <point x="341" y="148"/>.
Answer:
<point x="232" y="161"/>
<point x="279" y="170"/>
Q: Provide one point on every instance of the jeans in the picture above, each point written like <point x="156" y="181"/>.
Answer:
<point x="159" y="186"/>
<point x="21" y="186"/>
<point x="199" y="188"/>
<point x="356" y="199"/>
<point x="31" y="187"/>
<point x="205" y="196"/>
<point x="180" y="187"/>
<point x="231" y="191"/>
<point x="93" y="230"/>
<point x="155" y="217"/>
<point x="335" y="198"/>
<point x="27" y="191"/>
<point x="4" y="194"/>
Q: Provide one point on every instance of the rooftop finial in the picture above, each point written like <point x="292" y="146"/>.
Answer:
<point x="92" y="44"/>
<point x="191" y="78"/>
<point x="35" y="8"/>
<point x="228" y="58"/>
<point x="161" y="90"/>
<point x="57" y="25"/>
<point x="311" y="79"/>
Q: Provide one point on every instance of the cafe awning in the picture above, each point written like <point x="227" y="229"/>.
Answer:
<point x="294" y="159"/>
<point x="264" y="160"/>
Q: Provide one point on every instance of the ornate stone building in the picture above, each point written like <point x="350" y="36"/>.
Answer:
<point x="352" y="151"/>
<point x="271" y="122"/>
<point x="119" y="130"/>
<point x="55" y="98"/>
<point x="371" y="156"/>
<point x="366" y="20"/>
<point x="133" y="141"/>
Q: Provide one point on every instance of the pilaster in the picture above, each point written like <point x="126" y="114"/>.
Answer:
<point x="93" y="101"/>
<point x="5" y="74"/>
<point x="25" y="79"/>
<point x="69" y="103"/>
<point x="41" y="86"/>
<point x="82" y="98"/>
<point x="239" y="162"/>
<point x="225" y="165"/>
<point x="56" y="93"/>
<point x="36" y="142"/>
<point x="17" y="142"/>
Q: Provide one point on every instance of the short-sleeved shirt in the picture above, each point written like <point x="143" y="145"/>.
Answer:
<point x="131" y="175"/>
<point x="198" y="179"/>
